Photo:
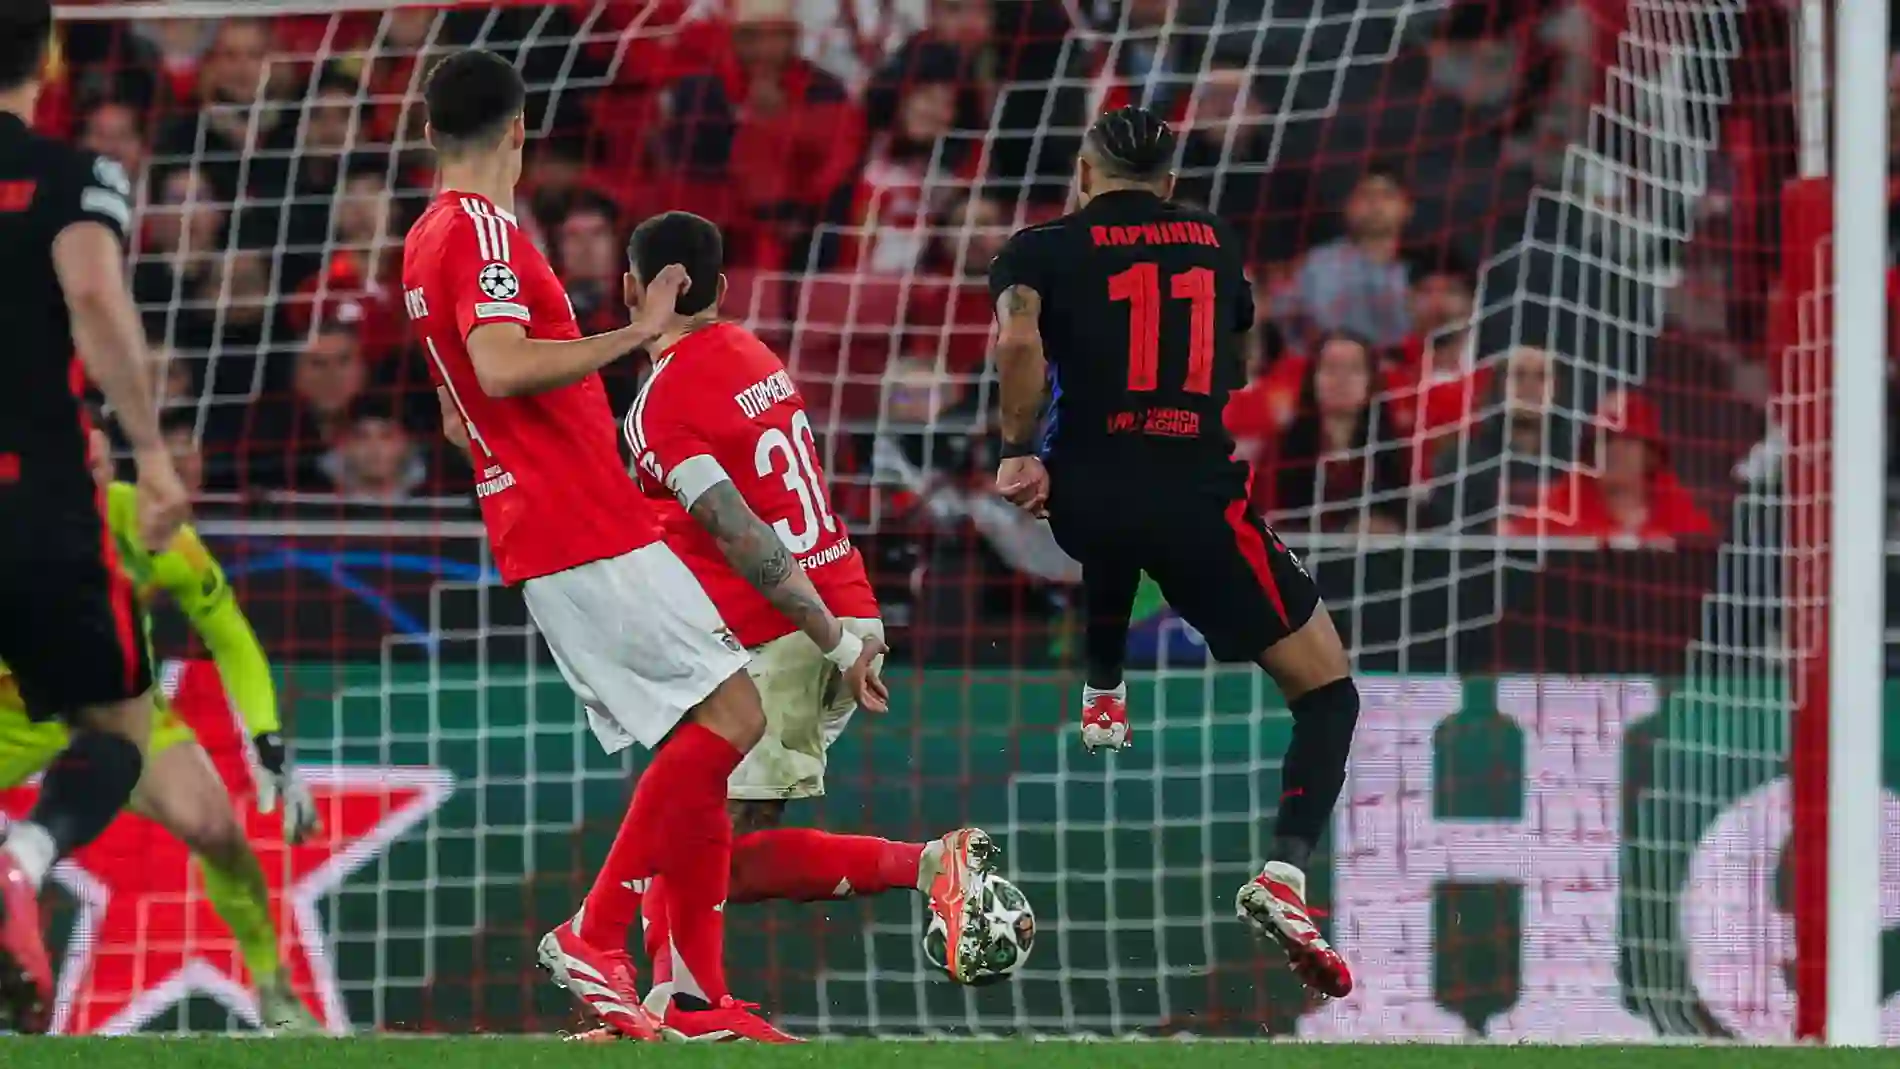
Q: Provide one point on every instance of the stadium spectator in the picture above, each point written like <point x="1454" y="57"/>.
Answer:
<point x="1435" y="381"/>
<point x="361" y="280"/>
<point x="1520" y="439"/>
<point x="1629" y="495"/>
<point x="116" y="131"/>
<point x="554" y="178"/>
<point x="589" y="254"/>
<point x="915" y="106"/>
<point x="298" y="228"/>
<point x="179" y="46"/>
<point x="1337" y="466"/>
<point x="287" y="438"/>
<point x="373" y="458"/>
<point x="779" y="128"/>
<point x="239" y="139"/>
<point x="1225" y="152"/>
<point x="231" y="315"/>
<point x="181" y="231"/>
<point x="853" y="40"/>
<point x="364" y="211"/>
<point x="1357" y="282"/>
<point x="1133" y="64"/>
<point x="949" y="313"/>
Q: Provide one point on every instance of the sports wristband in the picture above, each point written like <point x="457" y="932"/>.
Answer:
<point x="846" y="653"/>
<point x="269" y="748"/>
<point x="1012" y="450"/>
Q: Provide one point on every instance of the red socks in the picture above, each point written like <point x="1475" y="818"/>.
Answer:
<point x="795" y="864"/>
<point x="808" y="865"/>
<point x="677" y="826"/>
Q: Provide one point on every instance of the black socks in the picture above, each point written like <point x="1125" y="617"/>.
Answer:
<point x="85" y="787"/>
<point x="1314" y="770"/>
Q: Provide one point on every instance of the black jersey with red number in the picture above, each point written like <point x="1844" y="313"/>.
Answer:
<point x="48" y="502"/>
<point x="1145" y="307"/>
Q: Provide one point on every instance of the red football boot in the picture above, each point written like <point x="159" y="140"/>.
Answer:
<point x="1105" y="724"/>
<point x="1274" y="905"/>
<point x="600" y="980"/>
<point x="731" y="1021"/>
<point x="26" y="975"/>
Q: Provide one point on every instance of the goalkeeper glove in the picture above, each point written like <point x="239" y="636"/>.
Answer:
<point x="278" y="782"/>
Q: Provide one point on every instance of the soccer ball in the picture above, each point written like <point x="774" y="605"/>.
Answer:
<point x="998" y="932"/>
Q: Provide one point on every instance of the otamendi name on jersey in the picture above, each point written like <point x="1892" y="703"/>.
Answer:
<point x="763" y="394"/>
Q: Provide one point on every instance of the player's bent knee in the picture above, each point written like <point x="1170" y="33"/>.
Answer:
<point x="130" y="720"/>
<point x="733" y="712"/>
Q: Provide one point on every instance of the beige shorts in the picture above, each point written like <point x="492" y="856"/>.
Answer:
<point x="807" y="706"/>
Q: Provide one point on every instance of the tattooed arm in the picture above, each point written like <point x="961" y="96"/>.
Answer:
<point x="755" y="552"/>
<point x="1019" y="364"/>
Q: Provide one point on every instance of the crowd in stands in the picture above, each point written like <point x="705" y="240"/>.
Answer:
<point x="864" y="170"/>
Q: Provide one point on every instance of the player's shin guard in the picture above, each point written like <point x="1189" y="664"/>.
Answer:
<point x="241" y="898"/>
<point x="84" y="788"/>
<point x="1315" y="767"/>
<point x="809" y="865"/>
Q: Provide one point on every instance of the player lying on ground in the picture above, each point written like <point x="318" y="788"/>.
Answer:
<point x="1138" y="308"/>
<point x="68" y="632"/>
<point x="633" y="634"/>
<point x="180" y="789"/>
<point x="724" y="449"/>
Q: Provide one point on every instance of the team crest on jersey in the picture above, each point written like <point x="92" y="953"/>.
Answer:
<point x="498" y="281"/>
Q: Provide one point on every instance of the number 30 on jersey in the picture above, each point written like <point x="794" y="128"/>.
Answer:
<point x="794" y="453"/>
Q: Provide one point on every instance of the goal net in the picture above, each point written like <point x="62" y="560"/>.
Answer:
<point x="1495" y="246"/>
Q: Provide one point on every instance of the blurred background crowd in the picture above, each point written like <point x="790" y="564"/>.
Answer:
<point x="1427" y="357"/>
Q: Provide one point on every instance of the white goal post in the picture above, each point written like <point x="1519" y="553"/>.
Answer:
<point x="1129" y="942"/>
<point x="1856" y="653"/>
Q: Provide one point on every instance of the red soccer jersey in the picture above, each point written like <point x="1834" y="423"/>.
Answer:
<point x="720" y="397"/>
<point x="553" y="491"/>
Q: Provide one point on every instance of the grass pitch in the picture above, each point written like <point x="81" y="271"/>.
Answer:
<point x="526" y="1053"/>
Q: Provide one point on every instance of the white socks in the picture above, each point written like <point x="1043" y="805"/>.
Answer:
<point x="32" y="846"/>
<point x="1288" y="875"/>
<point x="1118" y="692"/>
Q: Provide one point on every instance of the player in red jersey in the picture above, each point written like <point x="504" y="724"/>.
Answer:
<point x="631" y="630"/>
<point x="723" y="447"/>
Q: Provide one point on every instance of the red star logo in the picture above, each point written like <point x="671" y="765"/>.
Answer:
<point x="146" y="937"/>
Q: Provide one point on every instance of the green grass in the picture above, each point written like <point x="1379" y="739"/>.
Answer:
<point x="514" y="1053"/>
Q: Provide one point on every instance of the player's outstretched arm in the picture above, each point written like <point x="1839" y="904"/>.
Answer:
<point x="755" y="552"/>
<point x="508" y="363"/>
<point x="192" y="576"/>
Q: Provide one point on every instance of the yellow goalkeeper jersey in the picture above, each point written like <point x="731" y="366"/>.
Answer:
<point x="188" y="572"/>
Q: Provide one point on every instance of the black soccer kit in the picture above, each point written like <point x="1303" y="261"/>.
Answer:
<point x="1145" y="305"/>
<point x="69" y="632"/>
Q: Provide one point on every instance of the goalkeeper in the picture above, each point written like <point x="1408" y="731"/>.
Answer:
<point x="180" y="789"/>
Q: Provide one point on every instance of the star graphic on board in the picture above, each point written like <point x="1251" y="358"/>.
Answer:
<point x="145" y="936"/>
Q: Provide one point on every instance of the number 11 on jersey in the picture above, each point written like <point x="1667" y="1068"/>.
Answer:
<point x="1140" y="286"/>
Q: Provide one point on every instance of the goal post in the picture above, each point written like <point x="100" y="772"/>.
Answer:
<point x="1856" y="651"/>
<point x="1623" y="791"/>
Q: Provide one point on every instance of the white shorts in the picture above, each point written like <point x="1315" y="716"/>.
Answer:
<point x="637" y="639"/>
<point x="807" y="706"/>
